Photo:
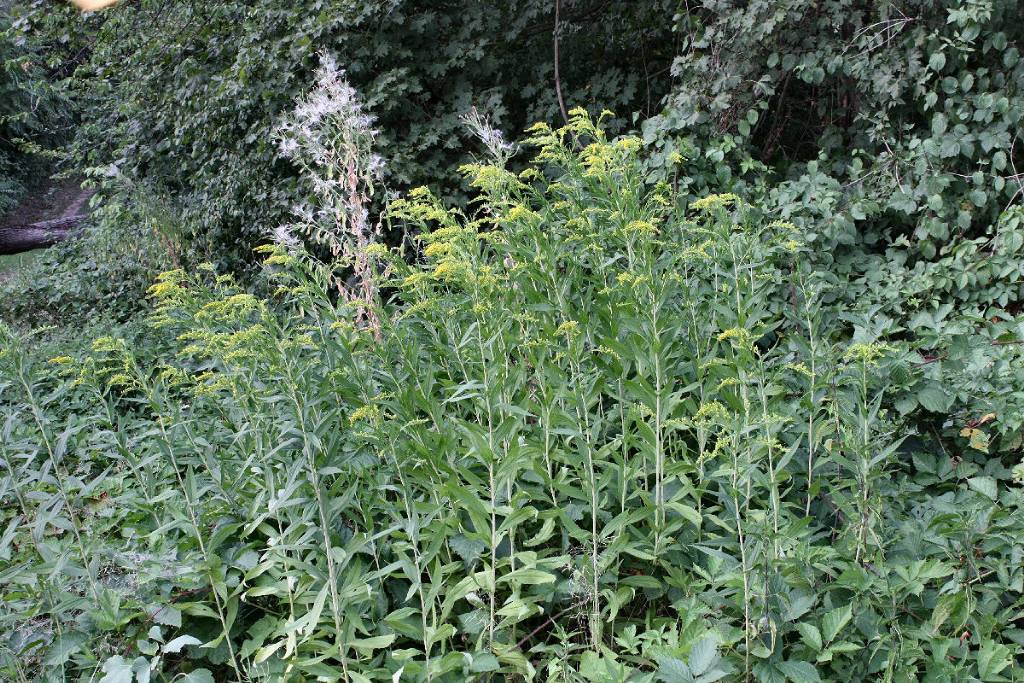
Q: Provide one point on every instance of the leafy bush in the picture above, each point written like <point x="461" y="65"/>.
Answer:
<point x="889" y="135"/>
<point x="589" y="432"/>
<point x="878" y="121"/>
<point x="32" y="113"/>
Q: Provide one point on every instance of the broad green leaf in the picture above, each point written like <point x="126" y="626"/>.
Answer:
<point x="374" y="643"/>
<point x="484" y="662"/>
<point x="117" y="670"/>
<point x="799" y="672"/>
<point x="702" y="656"/>
<point x="834" y="621"/>
<point x="198" y="676"/>
<point x="672" y="670"/>
<point x="992" y="659"/>
<point x="810" y="635"/>
<point x="986" y="486"/>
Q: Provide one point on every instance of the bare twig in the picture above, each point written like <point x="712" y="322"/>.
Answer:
<point x="547" y="622"/>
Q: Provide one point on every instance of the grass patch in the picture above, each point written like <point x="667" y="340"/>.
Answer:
<point x="9" y="264"/>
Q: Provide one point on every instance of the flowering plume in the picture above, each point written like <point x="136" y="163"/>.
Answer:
<point x="498" y="148"/>
<point x="330" y="137"/>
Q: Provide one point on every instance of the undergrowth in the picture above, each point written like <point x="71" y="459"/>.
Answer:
<point x="583" y="432"/>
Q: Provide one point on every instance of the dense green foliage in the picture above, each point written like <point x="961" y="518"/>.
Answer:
<point x="890" y="134"/>
<point x="33" y="113"/>
<point x="737" y="396"/>
<point x="598" y="433"/>
<point x="186" y="94"/>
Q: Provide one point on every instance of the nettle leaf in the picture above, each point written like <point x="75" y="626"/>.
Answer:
<point x="64" y="646"/>
<point x="986" y="486"/>
<point x="468" y="550"/>
<point x="672" y="670"/>
<point x="992" y="659"/>
<point x="703" y="655"/>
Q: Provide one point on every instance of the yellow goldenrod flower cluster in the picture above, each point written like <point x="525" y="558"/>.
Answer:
<point x="640" y="228"/>
<point x="710" y="413"/>
<point x="235" y="347"/>
<point x="714" y="201"/>
<point x="438" y="250"/>
<point x="800" y="368"/>
<point x="234" y="307"/>
<point x="168" y="285"/>
<point x="377" y="250"/>
<point x="491" y="179"/>
<point x="367" y="413"/>
<point x="518" y="212"/>
<point x="421" y="207"/>
<point x="867" y="353"/>
<point x="738" y="336"/>
<point x="414" y="280"/>
<point x="450" y="271"/>
<point x="633" y="280"/>
<point x="568" y="329"/>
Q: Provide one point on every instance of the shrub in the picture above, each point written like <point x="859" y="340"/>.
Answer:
<point x="877" y="121"/>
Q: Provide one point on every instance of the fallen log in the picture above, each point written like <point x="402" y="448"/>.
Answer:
<point x="16" y="239"/>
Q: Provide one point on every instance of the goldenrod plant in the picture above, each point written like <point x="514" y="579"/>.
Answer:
<point x="591" y="432"/>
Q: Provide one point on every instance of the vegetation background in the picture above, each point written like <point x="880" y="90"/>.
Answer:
<point x="556" y="340"/>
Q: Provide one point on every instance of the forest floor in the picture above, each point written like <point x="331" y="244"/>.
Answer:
<point x="51" y="199"/>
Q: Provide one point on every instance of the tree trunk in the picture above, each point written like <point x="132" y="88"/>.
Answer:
<point x="15" y="239"/>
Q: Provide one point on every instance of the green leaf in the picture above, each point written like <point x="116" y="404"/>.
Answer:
<point x="168" y="616"/>
<point x="180" y="642"/>
<point x="834" y="621"/>
<point x="799" y="672"/>
<point x="986" y="486"/>
<point x="141" y="667"/>
<point x="992" y="658"/>
<point x="528" y="577"/>
<point x="943" y="609"/>
<point x="703" y="655"/>
<point x="66" y="645"/>
<point x="672" y="670"/>
<point x="197" y="676"/>
<point x="375" y="643"/>
<point x="810" y="635"/>
<point x="799" y="604"/>
<point x="934" y="399"/>
<point x="484" y="662"/>
<point x="117" y="670"/>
